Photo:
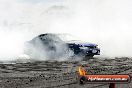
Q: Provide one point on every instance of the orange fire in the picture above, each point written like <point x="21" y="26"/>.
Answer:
<point x="81" y="71"/>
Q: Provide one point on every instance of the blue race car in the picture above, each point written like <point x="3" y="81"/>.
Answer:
<point x="83" y="48"/>
<point x="52" y="46"/>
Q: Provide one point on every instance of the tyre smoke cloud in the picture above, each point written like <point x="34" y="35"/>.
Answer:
<point x="105" y="22"/>
<point x="48" y="47"/>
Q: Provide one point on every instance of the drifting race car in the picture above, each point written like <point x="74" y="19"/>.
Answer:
<point x="52" y="46"/>
<point x="86" y="49"/>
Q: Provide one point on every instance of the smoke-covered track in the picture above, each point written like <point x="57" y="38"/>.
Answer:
<point x="54" y="74"/>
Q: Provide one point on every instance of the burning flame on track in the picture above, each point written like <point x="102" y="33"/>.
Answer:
<point x="81" y="71"/>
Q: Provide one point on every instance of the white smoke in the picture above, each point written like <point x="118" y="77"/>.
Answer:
<point x="105" y="22"/>
<point x="47" y="47"/>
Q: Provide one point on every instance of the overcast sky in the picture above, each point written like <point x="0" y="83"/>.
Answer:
<point x="41" y="1"/>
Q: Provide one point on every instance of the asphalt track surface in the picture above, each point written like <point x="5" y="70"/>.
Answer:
<point x="60" y="74"/>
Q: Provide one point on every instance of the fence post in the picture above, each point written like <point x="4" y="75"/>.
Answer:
<point x="112" y="85"/>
